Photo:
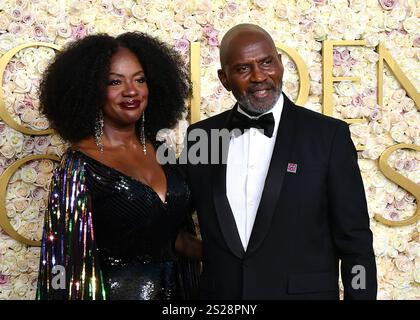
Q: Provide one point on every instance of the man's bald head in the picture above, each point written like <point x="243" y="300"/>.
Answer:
<point x="237" y="35"/>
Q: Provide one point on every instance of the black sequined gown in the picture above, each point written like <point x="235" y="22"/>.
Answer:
<point x="134" y="233"/>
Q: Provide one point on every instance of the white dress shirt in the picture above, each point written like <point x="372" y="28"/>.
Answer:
<point x="248" y="161"/>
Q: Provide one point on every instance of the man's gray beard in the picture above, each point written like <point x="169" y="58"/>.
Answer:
<point x="246" y="104"/>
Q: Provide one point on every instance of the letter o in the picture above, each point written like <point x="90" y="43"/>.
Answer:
<point x="4" y="115"/>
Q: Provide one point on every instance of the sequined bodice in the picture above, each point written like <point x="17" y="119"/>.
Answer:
<point x="135" y="231"/>
<point x="130" y="219"/>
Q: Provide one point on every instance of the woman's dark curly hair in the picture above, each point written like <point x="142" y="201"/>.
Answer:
<point x="73" y="87"/>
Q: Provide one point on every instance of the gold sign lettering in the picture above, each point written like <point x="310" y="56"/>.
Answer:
<point x="4" y="115"/>
<point x="402" y="181"/>
<point x="4" y="181"/>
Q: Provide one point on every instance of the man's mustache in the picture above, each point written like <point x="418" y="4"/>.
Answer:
<point x="261" y="86"/>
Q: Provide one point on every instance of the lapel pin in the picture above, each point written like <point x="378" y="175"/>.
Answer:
<point x="292" y="167"/>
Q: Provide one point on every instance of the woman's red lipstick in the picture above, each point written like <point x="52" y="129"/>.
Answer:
<point x="130" y="104"/>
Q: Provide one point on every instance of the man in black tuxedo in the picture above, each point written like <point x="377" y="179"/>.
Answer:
<point x="284" y="203"/>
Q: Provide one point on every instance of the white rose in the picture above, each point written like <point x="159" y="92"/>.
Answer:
<point x="391" y="23"/>
<point x="46" y="166"/>
<point x="281" y="10"/>
<point x="378" y="180"/>
<point x="398" y="243"/>
<point x="412" y="118"/>
<point x="399" y="94"/>
<point x="7" y="151"/>
<point x="23" y="84"/>
<point x="21" y="189"/>
<point x="372" y="40"/>
<point x="43" y="179"/>
<point x="398" y="133"/>
<point x="28" y="174"/>
<point x="20" y="290"/>
<point x="380" y="245"/>
<point x="29" y="115"/>
<point x="391" y="252"/>
<point x="399" y="13"/>
<point x="345" y="88"/>
<point x="20" y="204"/>
<point x="411" y="25"/>
<point x="30" y="213"/>
<point x="416" y="275"/>
<point x="413" y="250"/>
<point x="305" y="6"/>
<point x="88" y="15"/>
<point x="408" y="104"/>
<point x="40" y="124"/>
<point x="63" y="30"/>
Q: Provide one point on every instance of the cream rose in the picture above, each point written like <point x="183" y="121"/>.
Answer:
<point x="20" y="204"/>
<point x="46" y="166"/>
<point x="28" y="174"/>
<point x="7" y="151"/>
<point x="43" y="179"/>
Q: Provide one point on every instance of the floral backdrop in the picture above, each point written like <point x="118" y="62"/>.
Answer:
<point x="301" y="25"/>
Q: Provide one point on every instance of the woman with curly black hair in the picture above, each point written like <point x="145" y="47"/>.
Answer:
<point x="118" y="224"/>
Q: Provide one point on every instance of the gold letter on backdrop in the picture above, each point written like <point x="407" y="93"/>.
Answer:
<point x="327" y="77"/>
<point x="4" y="115"/>
<point x="7" y="118"/>
<point x="384" y="55"/>
<point x="402" y="181"/>
<point x="302" y="71"/>
<point x="4" y="181"/>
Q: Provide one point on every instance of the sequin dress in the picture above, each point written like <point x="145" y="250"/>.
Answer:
<point x="114" y="235"/>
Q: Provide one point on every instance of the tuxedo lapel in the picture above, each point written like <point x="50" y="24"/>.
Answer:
<point x="275" y="176"/>
<point x="223" y="211"/>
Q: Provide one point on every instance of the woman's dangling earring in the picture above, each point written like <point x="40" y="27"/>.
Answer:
<point x="99" y="126"/>
<point x="142" y="135"/>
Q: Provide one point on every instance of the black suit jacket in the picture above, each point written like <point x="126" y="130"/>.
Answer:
<point x="306" y="221"/>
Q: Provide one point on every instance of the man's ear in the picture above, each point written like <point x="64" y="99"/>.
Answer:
<point x="223" y="79"/>
<point x="279" y="55"/>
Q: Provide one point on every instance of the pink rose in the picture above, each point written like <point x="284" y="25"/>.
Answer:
<point x="210" y="31"/>
<point x="38" y="193"/>
<point x="338" y="60"/>
<point x="375" y="115"/>
<point x="16" y="14"/>
<point x="370" y="92"/>
<point x="345" y="54"/>
<point x="351" y="62"/>
<point x="2" y="128"/>
<point x="394" y="216"/>
<point x="388" y="4"/>
<point x="232" y="7"/>
<point x="39" y="32"/>
<point x="320" y="2"/>
<point x="28" y="144"/>
<point x="357" y="100"/>
<point x="416" y="41"/>
<point x="213" y="41"/>
<point x="41" y="143"/>
<point x="399" y="164"/>
<point x="78" y="32"/>
<point x="28" y="18"/>
<point x="3" y="279"/>
<point x="410" y="165"/>
<point x="182" y="45"/>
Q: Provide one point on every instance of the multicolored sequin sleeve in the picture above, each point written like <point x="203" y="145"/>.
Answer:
<point x="69" y="262"/>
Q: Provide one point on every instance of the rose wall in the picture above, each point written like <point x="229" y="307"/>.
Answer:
<point x="301" y="25"/>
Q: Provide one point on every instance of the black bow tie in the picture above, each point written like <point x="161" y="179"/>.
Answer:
<point x="242" y="122"/>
